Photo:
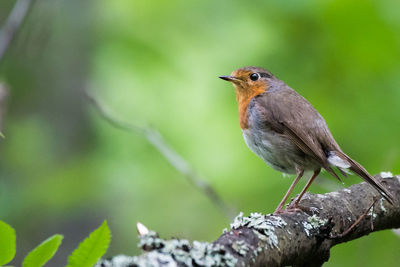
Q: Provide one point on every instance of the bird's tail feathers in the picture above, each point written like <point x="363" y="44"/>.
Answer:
<point x="331" y="171"/>
<point x="344" y="162"/>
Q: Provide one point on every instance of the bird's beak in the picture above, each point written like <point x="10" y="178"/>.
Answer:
<point x="229" y="78"/>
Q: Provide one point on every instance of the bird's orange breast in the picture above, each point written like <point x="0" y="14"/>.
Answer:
<point x="243" y="98"/>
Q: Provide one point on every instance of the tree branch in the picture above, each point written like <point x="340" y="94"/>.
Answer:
<point x="157" y="141"/>
<point x="12" y="24"/>
<point x="296" y="239"/>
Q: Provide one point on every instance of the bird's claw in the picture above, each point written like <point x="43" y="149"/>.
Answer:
<point x="295" y="208"/>
<point x="289" y="209"/>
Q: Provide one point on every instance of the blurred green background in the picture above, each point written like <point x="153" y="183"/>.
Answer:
<point x="63" y="169"/>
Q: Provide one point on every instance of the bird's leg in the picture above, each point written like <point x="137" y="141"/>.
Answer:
<point x="300" y="173"/>
<point x="296" y="203"/>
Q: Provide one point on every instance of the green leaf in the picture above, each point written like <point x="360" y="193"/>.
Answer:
<point x="7" y="243"/>
<point x="92" y="248"/>
<point x="43" y="253"/>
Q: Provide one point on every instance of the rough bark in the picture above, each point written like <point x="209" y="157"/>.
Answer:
<point x="295" y="239"/>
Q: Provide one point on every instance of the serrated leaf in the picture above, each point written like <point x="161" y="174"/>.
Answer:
<point x="43" y="252"/>
<point x="7" y="243"/>
<point x="92" y="248"/>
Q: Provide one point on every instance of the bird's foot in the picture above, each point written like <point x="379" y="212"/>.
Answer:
<point x="289" y="209"/>
<point x="295" y="207"/>
<point x="293" y="210"/>
<point x="278" y="211"/>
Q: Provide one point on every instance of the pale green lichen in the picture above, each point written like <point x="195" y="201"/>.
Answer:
<point x="382" y="206"/>
<point x="313" y="223"/>
<point x="173" y="253"/>
<point x="307" y="228"/>
<point x="150" y="259"/>
<point x="206" y="254"/>
<point x="150" y="241"/>
<point x="264" y="225"/>
<point x="240" y="247"/>
<point x="256" y="219"/>
<point x="316" y="221"/>
<point x="239" y="221"/>
<point x="386" y="174"/>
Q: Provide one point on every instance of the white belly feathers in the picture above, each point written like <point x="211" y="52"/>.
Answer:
<point x="268" y="147"/>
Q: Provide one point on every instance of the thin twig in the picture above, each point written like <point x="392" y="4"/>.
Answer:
<point x="155" y="139"/>
<point x="372" y="214"/>
<point x="12" y="24"/>
<point x="4" y="91"/>
<point x="356" y="222"/>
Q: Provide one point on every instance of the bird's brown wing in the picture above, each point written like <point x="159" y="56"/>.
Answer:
<point x="292" y="115"/>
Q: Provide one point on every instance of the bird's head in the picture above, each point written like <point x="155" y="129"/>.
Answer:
<point x="249" y="81"/>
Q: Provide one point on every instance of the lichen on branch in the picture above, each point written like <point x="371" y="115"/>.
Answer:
<point x="296" y="239"/>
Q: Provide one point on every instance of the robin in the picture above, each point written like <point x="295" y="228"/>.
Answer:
<point x="288" y="133"/>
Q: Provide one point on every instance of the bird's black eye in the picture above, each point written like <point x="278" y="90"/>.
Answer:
<point x="254" y="76"/>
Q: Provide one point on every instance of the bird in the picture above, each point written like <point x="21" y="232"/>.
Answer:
<point x="288" y="133"/>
